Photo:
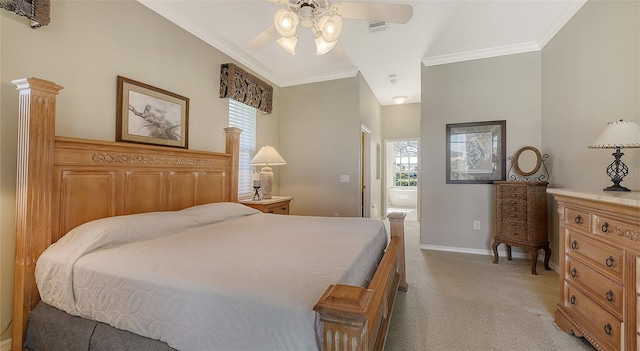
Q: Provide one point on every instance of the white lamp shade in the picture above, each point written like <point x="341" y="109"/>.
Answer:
<point x="322" y="47"/>
<point x="268" y="156"/>
<point x="288" y="44"/>
<point x="331" y="27"/>
<point x="622" y="134"/>
<point x="285" y="22"/>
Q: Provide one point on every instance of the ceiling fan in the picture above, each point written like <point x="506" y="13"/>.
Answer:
<point x="324" y="20"/>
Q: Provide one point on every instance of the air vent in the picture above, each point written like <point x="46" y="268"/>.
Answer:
<point x="378" y="26"/>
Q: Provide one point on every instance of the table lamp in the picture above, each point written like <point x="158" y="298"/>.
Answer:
<point x="267" y="156"/>
<point x="617" y="135"/>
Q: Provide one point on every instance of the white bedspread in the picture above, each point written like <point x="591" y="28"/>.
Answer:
<point x="213" y="277"/>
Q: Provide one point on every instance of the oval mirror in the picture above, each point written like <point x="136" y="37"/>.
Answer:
<point x="526" y="161"/>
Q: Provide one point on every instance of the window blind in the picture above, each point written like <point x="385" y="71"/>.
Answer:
<point x="244" y="117"/>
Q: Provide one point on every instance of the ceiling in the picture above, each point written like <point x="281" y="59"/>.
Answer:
<point x="440" y="32"/>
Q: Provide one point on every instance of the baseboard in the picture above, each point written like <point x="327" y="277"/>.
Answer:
<point x="523" y="255"/>
<point x="5" y="345"/>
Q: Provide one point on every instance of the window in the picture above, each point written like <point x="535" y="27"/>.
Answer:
<point x="244" y="117"/>
<point x="405" y="165"/>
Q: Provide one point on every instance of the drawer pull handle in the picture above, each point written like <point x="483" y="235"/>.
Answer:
<point x="574" y="273"/>
<point x="573" y="299"/>
<point x="609" y="262"/>
<point x="574" y="244"/>
<point x="609" y="296"/>
<point x="608" y="329"/>
<point x="578" y="219"/>
<point x="605" y="227"/>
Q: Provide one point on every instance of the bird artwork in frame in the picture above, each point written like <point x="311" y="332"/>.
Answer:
<point x="150" y="115"/>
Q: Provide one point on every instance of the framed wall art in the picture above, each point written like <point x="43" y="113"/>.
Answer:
<point x="150" y="115"/>
<point x="476" y="152"/>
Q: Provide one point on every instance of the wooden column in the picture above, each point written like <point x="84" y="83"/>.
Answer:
<point x="233" y="148"/>
<point x="36" y="133"/>
<point x="396" y="223"/>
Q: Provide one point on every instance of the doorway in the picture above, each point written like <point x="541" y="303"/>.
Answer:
<point x="365" y="171"/>
<point x="402" y="186"/>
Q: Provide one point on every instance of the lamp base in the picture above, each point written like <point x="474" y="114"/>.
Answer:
<point x="617" y="170"/>
<point x="266" y="180"/>
<point x="616" y="187"/>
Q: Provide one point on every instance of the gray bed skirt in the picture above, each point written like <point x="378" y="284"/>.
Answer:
<point x="51" y="329"/>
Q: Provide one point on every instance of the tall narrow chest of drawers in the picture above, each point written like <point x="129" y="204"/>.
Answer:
<point x="599" y="241"/>
<point x="521" y="219"/>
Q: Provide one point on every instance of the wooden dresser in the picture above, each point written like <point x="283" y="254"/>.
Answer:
<point x="521" y="219"/>
<point x="599" y="242"/>
<point x="275" y="205"/>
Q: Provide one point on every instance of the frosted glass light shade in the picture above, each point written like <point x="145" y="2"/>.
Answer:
<point x="331" y="27"/>
<point x="322" y="47"/>
<point x="285" y="22"/>
<point x="618" y="134"/>
<point x="288" y="44"/>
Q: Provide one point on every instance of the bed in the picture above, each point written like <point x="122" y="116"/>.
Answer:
<point x="66" y="185"/>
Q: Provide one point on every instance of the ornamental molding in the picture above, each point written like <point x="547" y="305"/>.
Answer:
<point x="242" y="86"/>
<point x="633" y="235"/>
<point x="150" y="160"/>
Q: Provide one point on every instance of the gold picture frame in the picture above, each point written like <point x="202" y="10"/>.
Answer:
<point x="150" y="115"/>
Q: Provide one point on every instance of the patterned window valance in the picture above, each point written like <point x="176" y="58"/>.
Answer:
<point x="240" y="85"/>
<point x="35" y="10"/>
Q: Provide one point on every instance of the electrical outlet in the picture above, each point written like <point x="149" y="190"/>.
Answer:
<point x="345" y="178"/>
<point x="476" y="225"/>
<point x="336" y="215"/>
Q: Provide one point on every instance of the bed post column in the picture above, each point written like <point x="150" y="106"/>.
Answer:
<point x="36" y="135"/>
<point x="233" y="148"/>
<point x="396" y="224"/>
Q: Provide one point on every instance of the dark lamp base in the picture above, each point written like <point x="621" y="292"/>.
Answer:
<point x="616" y="188"/>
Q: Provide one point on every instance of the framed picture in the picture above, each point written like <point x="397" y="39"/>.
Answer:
<point x="151" y="115"/>
<point x="476" y="152"/>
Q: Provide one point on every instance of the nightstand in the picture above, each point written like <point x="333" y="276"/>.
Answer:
<point x="275" y="205"/>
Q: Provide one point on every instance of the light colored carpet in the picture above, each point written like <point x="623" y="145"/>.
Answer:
<point x="465" y="302"/>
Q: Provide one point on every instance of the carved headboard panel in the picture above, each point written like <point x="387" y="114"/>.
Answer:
<point x="95" y="179"/>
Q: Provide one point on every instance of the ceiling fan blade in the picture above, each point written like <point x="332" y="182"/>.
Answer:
<point x="262" y="39"/>
<point x="393" y="13"/>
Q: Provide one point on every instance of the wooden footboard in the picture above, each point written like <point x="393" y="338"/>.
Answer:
<point x="357" y="319"/>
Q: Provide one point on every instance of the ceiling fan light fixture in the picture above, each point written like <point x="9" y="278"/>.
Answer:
<point x="322" y="46"/>
<point x="288" y="44"/>
<point x="307" y="15"/>
<point x="331" y="27"/>
<point x="399" y="99"/>
<point x="285" y="22"/>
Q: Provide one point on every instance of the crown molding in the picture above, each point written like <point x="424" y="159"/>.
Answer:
<point x="571" y="9"/>
<point x="174" y="15"/>
<point x="480" y="54"/>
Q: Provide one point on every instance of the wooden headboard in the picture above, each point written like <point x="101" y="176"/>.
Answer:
<point x="64" y="182"/>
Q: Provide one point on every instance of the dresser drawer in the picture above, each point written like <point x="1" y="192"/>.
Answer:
<point x="604" y="258"/>
<point x="513" y="229"/>
<point x="607" y="226"/>
<point x="606" y="292"/>
<point x="603" y="326"/>
<point x="277" y="209"/>
<point x="578" y="219"/>
<point x="517" y="212"/>
<point x="516" y="192"/>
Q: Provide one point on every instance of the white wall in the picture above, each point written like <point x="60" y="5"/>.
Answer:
<point x="88" y="44"/>
<point x="501" y="88"/>
<point x="320" y="139"/>
<point x="401" y="121"/>
<point x="371" y="116"/>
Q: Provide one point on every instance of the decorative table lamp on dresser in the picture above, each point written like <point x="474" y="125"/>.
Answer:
<point x="521" y="207"/>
